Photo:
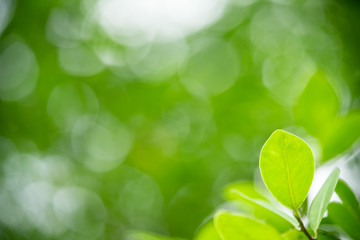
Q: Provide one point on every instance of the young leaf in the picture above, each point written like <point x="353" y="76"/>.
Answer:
<point x="232" y="226"/>
<point x="287" y="168"/>
<point x="345" y="219"/>
<point x="262" y="209"/>
<point x="322" y="199"/>
<point x="347" y="196"/>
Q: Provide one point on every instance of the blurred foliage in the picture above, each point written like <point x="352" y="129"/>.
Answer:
<point x="122" y="119"/>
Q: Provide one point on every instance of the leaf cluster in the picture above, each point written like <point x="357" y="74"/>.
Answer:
<point x="287" y="168"/>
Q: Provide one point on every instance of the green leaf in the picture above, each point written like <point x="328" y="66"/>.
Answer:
<point x="340" y="135"/>
<point x="245" y="188"/>
<point x="322" y="199"/>
<point x="317" y="105"/>
<point x="287" y="168"/>
<point x="294" y="235"/>
<point x="140" y="235"/>
<point x="345" y="219"/>
<point x="232" y="226"/>
<point x="298" y="235"/>
<point x="347" y="196"/>
<point x="207" y="232"/>
<point x="259" y="206"/>
<point x="326" y="236"/>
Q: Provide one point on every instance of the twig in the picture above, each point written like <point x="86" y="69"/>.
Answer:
<point x="302" y="226"/>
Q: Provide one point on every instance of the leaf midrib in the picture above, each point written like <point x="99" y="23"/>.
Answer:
<point x="288" y="175"/>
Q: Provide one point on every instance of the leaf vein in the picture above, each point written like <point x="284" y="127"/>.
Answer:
<point x="288" y="174"/>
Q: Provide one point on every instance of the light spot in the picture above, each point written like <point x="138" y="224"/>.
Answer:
<point x="102" y="144"/>
<point x="18" y="72"/>
<point x="135" y="22"/>
<point x="157" y="61"/>
<point x="80" y="210"/>
<point x="6" y="12"/>
<point x="79" y="61"/>
<point x="213" y="69"/>
<point x="69" y="102"/>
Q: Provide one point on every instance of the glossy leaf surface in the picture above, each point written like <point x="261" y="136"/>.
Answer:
<point x="287" y="168"/>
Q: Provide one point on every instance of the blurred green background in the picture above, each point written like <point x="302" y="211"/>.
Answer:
<point x="132" y="115"/>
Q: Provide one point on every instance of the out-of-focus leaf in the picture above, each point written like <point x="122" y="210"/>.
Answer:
<point x="260" y="207"/>
<point x="325" y="236"/>
<point x="347" y="196"/>
<point x="317" y="105"/>
<point x="287" y="168"/>
<point x="340" y="135"/>
<point x="139" y="235"/>
<point x="322" y="199"/>
<point x="207" y="232"/>
<point x="231" y="226"/>
<point x="294" y="235"/>
<point x="298" y="235"/>
<point x="188" y="209"/>
<point x="345" y="219"/>
<point x="231" y="191"/>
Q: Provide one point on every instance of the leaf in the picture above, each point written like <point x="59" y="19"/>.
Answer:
<point x="303" y="208"/>
<point x="340" y="135"/>
<point x="345" y="219"/>
<point x="326" y="236"/>
<point x="298" y="235"/>
<point x="287" y="168"/>
<point x="260" y="207"/>
<point x="207" y="232"/>
<point x="317" y="105"/>
<point x="347" y="196"/>
<point x="140" y="235"/>
<point x="322" y="199"/>
<point x="232" y="226"/>
<point x="294" y="235"/>
<point x="245" y="188"/>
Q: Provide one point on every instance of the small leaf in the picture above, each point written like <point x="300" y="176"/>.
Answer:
<point x="322" y="199"/>
<point x="260" y="207"/>
<point x="232" y="226"/>
<point x="287" y="168"/>
<point x="345" y="219"/>
<point x="347" y="196"/>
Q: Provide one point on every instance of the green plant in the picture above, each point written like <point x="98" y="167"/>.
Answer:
<point x="287" y="168"/>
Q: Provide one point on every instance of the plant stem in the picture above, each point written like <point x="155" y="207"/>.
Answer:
<point x="302" y="226"/>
